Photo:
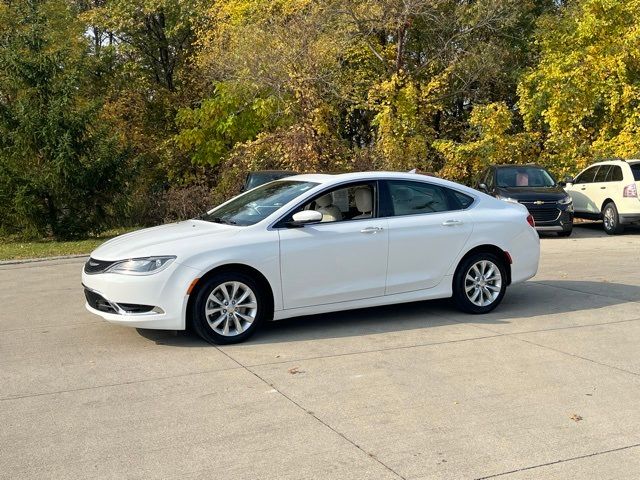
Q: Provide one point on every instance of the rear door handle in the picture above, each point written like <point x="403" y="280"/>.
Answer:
<point x="371" y="230"/>
<point x="451" y="223"/>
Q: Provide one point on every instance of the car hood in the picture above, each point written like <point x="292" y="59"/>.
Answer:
<point x="170" y="239"/>
<point x="546" y="194"/>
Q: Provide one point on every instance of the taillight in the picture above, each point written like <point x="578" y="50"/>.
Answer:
<point x="630" y="191"/>
<point x="531" y="221"/>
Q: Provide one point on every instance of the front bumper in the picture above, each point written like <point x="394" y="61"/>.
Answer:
<point x="152" y="301"/>
<point x="551" y="217"/>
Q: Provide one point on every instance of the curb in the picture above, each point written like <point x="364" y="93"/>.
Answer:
<point x="43" y="259"/>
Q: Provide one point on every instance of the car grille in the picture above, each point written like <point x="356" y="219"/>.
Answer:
<point x="543" y="213"/>
<point x="96" y="266"/>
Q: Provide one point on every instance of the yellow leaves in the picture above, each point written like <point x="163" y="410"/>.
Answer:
<point x="583" y="93"/>
<point x="492" y="144"/>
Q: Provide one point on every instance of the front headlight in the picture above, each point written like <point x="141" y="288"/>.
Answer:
<point x="565" y="201"/>
<point x="507" y="199"/>
<point x="141" y="266"/>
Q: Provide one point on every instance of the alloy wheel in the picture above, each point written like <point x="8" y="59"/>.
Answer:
<point x="609" y="218"/>
<point x="483" y="283"/>
<point x="231" y="308"/>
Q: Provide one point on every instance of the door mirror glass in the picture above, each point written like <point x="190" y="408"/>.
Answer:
<point x="567" y="180"/>
<point x="306" y="216"/>
<point x="483" y="187"/>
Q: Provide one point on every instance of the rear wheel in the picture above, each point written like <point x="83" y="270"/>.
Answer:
<point x="228" y="308"/>
<point x="479" y="283"/>
<point x="565" y="233"/>
<point x="611" y="220"/>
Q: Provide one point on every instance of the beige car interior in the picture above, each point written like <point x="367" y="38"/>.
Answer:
<point x="364" y="202"/>
<point x="330" y="212"/>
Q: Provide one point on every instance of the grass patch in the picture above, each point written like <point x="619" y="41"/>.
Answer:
<point x="17" y="249"/>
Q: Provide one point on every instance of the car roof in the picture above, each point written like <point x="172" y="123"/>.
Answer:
<point x="271" y="171"/>
<point x="325" y="179"/>
<point x="613" y="161"/>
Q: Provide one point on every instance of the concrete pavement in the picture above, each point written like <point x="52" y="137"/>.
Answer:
<point x="547" y="386"/>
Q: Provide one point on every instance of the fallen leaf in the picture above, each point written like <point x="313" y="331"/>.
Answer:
<point x="575" y="417"/>
<point x="295" y="370"/>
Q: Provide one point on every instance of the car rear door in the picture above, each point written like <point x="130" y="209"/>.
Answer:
<point x="428" y="227"/>
<point x="338" y="260"/>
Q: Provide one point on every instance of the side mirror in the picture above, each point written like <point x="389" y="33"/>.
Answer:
<point x="305" y="217"/>
<point x="567" y="180"/>
<point x="483" y="187"/>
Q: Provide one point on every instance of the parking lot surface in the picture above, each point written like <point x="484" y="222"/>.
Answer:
<point x="547" y="386"/>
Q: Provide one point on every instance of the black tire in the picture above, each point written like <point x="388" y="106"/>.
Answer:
<point x="460" y="284"/>
<point x="565" y="233"/>
<point x="203" y="326"/>
<point x="611" y="219"/>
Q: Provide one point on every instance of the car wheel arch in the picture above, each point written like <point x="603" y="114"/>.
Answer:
<point x="488" y="248"/>
<point x="604" y="204"/>
<point x="230" y="267"/>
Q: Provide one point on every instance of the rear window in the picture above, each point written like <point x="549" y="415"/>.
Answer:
<point x="615" y="174"/>
<point x="635" y="169"/>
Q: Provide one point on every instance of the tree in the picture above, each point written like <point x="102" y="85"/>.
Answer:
<point x="381" y="81"/>
<point x="584" y="93"/>
<point x="490" y="140"/>
<point x="59" y="165"/>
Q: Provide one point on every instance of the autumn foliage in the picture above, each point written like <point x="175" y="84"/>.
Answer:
<point x="130" y="112"/>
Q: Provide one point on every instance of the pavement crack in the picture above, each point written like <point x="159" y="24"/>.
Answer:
<point x="578" y="356"/>
<point x="513" y="335"/>
<point x="106" y="385"/>
<point x="541" y="282"/>
<point x="580" y="457"/>
<point x="307" y="411"/>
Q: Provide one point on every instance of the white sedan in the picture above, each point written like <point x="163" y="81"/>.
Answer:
<point x="310" y="244"/>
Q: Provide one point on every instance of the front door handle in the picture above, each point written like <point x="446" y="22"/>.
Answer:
<point x="451" y="223"/>
<point x="371" y="230"/>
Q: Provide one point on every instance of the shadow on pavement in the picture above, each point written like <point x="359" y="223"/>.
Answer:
<point x="527" y="300"/>
<point x="591" y="229"/>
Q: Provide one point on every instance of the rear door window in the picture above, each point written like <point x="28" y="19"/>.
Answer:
<point x="412" y="198"/>
<point x="635" y="169"/>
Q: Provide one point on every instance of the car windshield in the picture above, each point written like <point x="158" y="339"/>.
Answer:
<point x="256" y="205"/>
<point x="258" y="178"/>
<point x="522" y="177"/>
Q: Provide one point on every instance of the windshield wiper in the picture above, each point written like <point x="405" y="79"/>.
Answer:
<point x="222" y="221"/>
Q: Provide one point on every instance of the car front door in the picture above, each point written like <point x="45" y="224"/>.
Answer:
<point x="344" y="257"/>
<point x="598" y="192"/>
<point x="580" y="190"/>
<point x="428" y="227"/>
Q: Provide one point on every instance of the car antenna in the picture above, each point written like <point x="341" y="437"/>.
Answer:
<point x="413" y="170"/>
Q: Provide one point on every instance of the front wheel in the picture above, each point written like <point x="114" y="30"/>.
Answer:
<point x="611" y="220"/>
<point x="228" y="308"/>
<point x="479" y="283"/>
<point x="565" y="233"/>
